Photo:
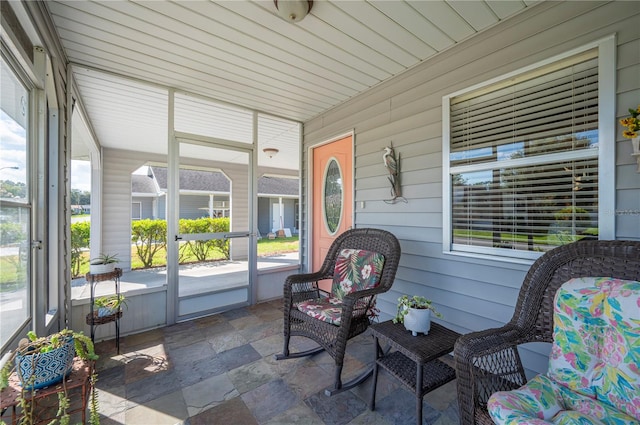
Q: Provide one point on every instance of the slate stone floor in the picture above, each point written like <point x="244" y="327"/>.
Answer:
<point x="221" y="370"/>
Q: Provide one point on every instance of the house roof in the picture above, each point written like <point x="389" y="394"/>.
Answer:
<point x="210" y="181"/>
<point x="141" y="183"/>
<point x="206" y="181"/>
<point x="268" y="185"/>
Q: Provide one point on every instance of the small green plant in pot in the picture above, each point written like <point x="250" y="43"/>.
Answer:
<point x="42" y="362"/>
<point x="108" y="305"/>
<point x="415" y="313"/>
<point x="104" y="263"/>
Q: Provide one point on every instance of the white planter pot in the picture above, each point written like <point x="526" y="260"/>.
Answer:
<point x="101" y="268"/>
<point x="635" y="144"/>
<point x="418" y="321"/>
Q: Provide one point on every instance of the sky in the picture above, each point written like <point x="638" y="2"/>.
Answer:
<point x="13" y="150"/>
<point x="13" y="153"/>
<point x="81" y="175"/>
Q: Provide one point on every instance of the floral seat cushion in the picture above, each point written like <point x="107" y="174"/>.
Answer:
<point x="594" y="372"/>
<point x="355" y="270"/>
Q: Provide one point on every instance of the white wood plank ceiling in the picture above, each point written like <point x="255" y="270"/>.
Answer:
<point x="243" y="53"/>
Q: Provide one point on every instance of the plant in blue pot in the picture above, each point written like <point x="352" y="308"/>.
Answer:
<point x="46" y="361"/>
<point x="108" y="305"/>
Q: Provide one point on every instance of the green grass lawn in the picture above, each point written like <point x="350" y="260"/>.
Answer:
<point x="542" y="239"/>
<point x="268" y="247"/>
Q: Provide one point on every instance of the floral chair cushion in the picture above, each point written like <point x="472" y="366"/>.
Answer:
<point x="327" y="309"/>
<point x="594" y="372"/>
<point x="355" y="270"/>
<point x="543" y="401"/>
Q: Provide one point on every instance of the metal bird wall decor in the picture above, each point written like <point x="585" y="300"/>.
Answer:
<point x="392" y="164"/>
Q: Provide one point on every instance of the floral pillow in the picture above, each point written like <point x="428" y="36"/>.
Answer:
<point x="356" y="269"/>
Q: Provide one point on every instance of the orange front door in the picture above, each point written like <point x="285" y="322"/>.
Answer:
<point x="332" y="197"/>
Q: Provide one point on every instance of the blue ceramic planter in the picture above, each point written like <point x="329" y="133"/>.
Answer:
<point x="43" y="369"/>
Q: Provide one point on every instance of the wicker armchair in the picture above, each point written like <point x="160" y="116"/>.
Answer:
<point x="355" y="308"/>
<point x="488" y="361"/>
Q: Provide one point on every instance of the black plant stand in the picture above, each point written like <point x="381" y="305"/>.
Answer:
<point x="93" y="320"/>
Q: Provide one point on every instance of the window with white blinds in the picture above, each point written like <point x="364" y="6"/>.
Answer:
<point x="523" y="160"/>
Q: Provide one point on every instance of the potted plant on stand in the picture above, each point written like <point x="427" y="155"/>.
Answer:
<point x="108" y="305"/>
<point x="104" y="263"/>
<point x="632" y="131"/>
<point x="47" y="361"/>
<point x="415" y="313"/>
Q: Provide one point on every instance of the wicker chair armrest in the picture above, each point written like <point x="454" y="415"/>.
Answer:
<point x="483" y="352"/>
<point x="352" y="309"/>
<point x="487" y="361"/>
<point x="300" y="287"/>
<point x="353" y="297"/>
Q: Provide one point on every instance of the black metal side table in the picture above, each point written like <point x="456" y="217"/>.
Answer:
<point x="414" y="362"/>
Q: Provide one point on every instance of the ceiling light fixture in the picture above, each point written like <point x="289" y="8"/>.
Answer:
<point x="270" y="152"/>
<point x="293" y="10"/>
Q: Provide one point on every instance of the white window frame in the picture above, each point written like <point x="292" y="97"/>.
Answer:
<point x="606" y="152"/>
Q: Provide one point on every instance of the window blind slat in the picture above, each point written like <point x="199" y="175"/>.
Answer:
<point x="531" y="207"/>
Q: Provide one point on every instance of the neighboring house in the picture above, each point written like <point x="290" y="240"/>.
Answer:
<point x="80" y="209"/>
<point x="206" y="194"/>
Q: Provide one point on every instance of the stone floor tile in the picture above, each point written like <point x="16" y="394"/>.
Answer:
<point x="208" y="393"/>
<point x="232" y="411"/>
<point x="196" y="370"/>
<point x="196" y="351"/>
<point x="208" y="321"/>
<point x="112" y="403"/>
<point x="246" y="322"/>
<point x="269" y="345"/>
<point x="111" y="378"/>
<point x="216" y="329"/>
<point x="441" y="398"/>
<point x="266" y="312"/>
<point x="143" y="364"/>
<point x="339" y="409"/>
<point x="270" y="400"/>
<point x="226" y="341"/>
<point x="239" y="356"/>
<point x="399" y="408"/>
<point x="299" y="414"/>
<point x="235" y="314"/>
<point x="152" y="337"/>
<point x="152" y="387"/>
<point x="248" y="377"/>
<point x="308" y="379"/>
<point x="386" y="385"/>
<point x="369" y="418"/>
<point x="260" y="331"/>
<point x="169" y="409"/>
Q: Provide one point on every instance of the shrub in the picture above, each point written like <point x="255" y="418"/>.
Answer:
<point x="201" y="249"/>
<point x="80" y="238"/>
<point x="149" y="236"/>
